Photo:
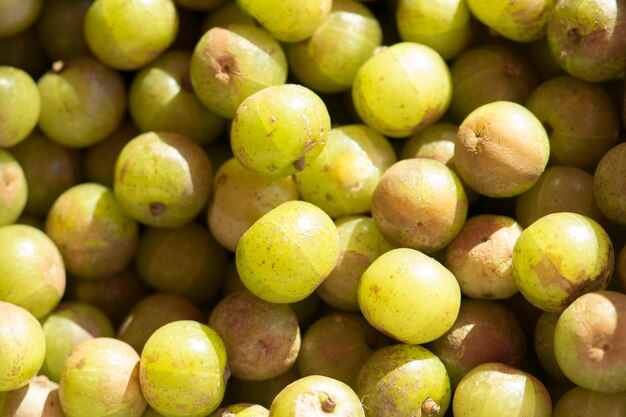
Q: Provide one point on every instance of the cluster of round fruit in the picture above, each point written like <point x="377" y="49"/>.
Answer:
<point x="253" y="208"/>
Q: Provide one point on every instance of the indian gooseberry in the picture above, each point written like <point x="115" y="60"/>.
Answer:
<point x="350" y="28"/>
<point x="153" y="312"/>
<point x="290" y="20"/>
<point x="342" y="179"/>
<point x="435" y="141"/>
<point x="240" y="198"/>
<point x="162" y="179"/>
<point x="558" y="189"/>
<point x="93" y="233"/>
<point x="496" y="389"/>
<point x="23" y="346"/>
<point x="608" y="183"/>
<point x="185" y="261"/>
<point x="286" y="254"/>
<point x="484" y="331"/>
<point x="259" y="392"/>
<point x="143" y="29"/>
<point x="590" y="342"/>
<point x="70" y="324"/>
<point x="544" y="345"/>
<point x="82" y="101"/>
<point x="13" y="188"/>
<point x="560" y="257"/>
<point x="226" y="14"/>
<point x="360" y="243"/>
<point x="588" y="38"/>
<point x="486" y="73"/>
<point x="446" y="26"/>
<point x="49" y="168"/>
<point x="262" y="339"/>
<point x="232" y="62"/>
<point x="60" y="28"/>
<point x="32" y="273"/>
<point x="419" y="203"/>
<point x="581" y="402"/>
<point x="242" y="410"/>
<point x="20" y="105"/>
<point x="39" y="398"/>
<point x="387" y="292"/>
<point x="501" y="149"/>
<point x="100" y="378"/>
<point x="519" y="21"/>
<point x="417" y="95"/>
<point x="24" y="51"/>
<point x="279" y="130"/>
<point x="403" y="380"/>
<point x="337" y="345"/>
<point x="316" y="395"/>
<point x="581" y="120"/>
<point x="543" y="61"/>
<point x="481" y="256"/>
<point x="161" y="98"/>
<point x="17" y="15"/>
<point x="183" y="370"/>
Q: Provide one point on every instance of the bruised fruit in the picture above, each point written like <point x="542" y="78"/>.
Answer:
<point x="162" y="179"/>
<point x="20" y="105"/>
<point x="13" y="189"/>
<point x="23" y="346"/>
<point x="262" y="339"/>
<point x="101" y="378"/>
<point x="590" y="342"/>
<point x="32" y="273"/>
<point x="560" y="257"/>
<point x="183" y="369"/>
<point x="387" y="294"/>
<point x="94" y="234"/>
<point x="40" y="398"/>
<point x="403" y="380"/>
<point x="288" y="253"/>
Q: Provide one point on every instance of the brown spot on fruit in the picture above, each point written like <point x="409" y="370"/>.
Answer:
<point x="80" y="364"/>
<point x="156" y="209"/>
<point x="299" y="164"/>
<point x="328" y="405"/>
<point x="222" y="63"/>
<point x="574" y="35"/>
<point x="430" y="407"/>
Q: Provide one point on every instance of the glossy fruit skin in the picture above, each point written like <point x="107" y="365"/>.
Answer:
<point x="183" y="369"/>
<point x="589" y="341"/>
<point x="288" y="252"/>
<point x="399" y="106"/>
<point x="23" y="344"/>
<point x="20" y="105"/>
<point x="126" y="35"/>
<point x="13" y="189"/>
<point x="398" y="380"/>
<point x="560" y="257"/>
<point x="393" y="311"/>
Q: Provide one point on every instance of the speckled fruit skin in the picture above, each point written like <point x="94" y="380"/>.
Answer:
<point x="419" y="203"/>
<point x="82" y="102"/>
<point x="240" y="198"/>
<point x="580" y="402"/>
<point x="162" y="179"/>
<point x="242" y="410"/>
<point x="94" y="234"/>
<point x="126" y="35"/>
<point x="23" y="346"/>
<point x="39" y="398"/>
<point x="519" y="21"/>
<point x="398" y="380"/>
<point x="480" y="256"/>
<point x="20" y="105"/>
<point x="232" y="62"/>
<point x="288" y="252"/>
<point x="387" y="292"/>
<point x="13" y="189"/>
<point x="32" y="273"/>
<point x="360" y="243"/>
<point x="501" y="149"/>
<point x="183" y="370"/>
<point x="590" y="342"/>
<point x="277" y="131"/>
<point x="316" y="395"/>
<point x="101" y="379"/>
<point x="262" y="339"/>
<point x="70" y="324"/>
<point x="609" y="182"/>
<point x="404" y="101"/>
<point x="495" y="389"/>
<point x="560" y="257"/>
<point x="290" y="20"/>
